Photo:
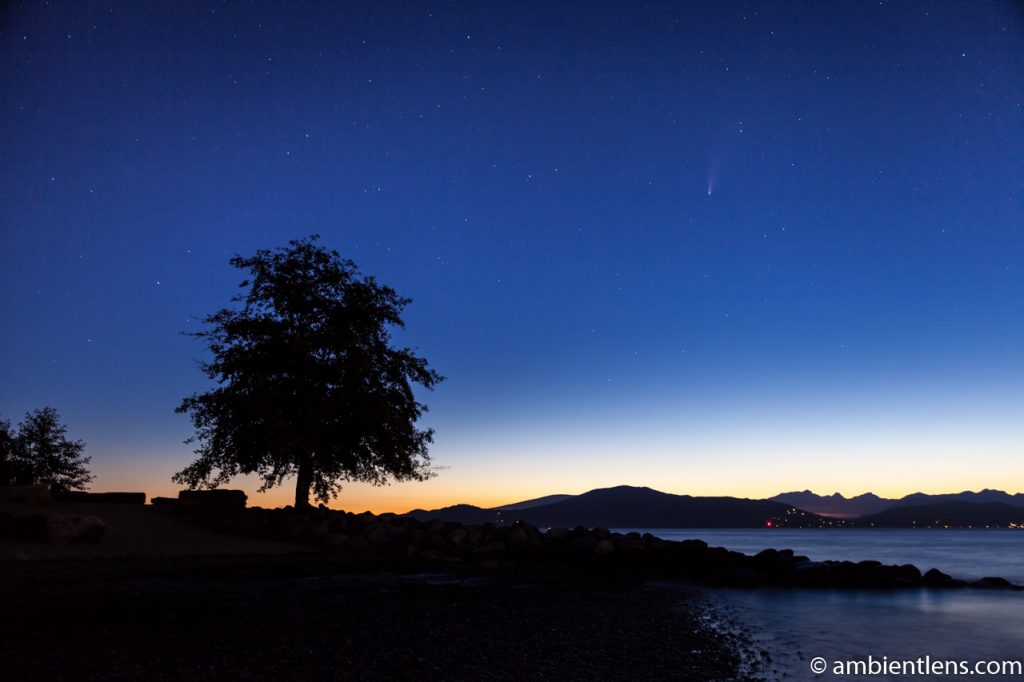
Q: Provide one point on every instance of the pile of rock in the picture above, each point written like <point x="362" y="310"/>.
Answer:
<point x="26" y="515"/>
<point x="50" y="527"/>
<point x="390" y="537"/>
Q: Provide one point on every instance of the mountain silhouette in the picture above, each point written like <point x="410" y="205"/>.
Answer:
<point x="837" y="506"/>
<point x="535" y="502"/>
<point x="632" y="507"/>
<point x="952" y="514"/>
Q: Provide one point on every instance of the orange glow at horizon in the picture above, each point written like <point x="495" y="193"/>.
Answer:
<point x="901" y="445"/>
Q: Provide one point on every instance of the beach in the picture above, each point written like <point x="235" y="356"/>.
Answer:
<point x="258" y="610"/>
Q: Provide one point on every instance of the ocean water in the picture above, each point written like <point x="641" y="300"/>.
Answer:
<point x="794" y="626"/>
<point x="967" y="554"/>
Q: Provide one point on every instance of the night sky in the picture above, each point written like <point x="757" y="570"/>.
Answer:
<point x="713" y="248"/>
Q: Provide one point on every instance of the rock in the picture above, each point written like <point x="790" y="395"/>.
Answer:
<point x="358" y="544"/>
<point x="516" y="537"/>
<point x="67" y="528"/>
<point x="102" y="498"/>
<point x="627" y="543"/>
<point x="294" y="525"/>
<point x="378" y="534"/>
<point x="810" y="571"/>
<point x="336" y="539"/>
<point x="458" y="536"/>
<point x="214" y="500"/>
<point x="936" y="578"/>
<point x="583" y="544"/>
<point x="25" y="494"/>
<point x="604" y="546"/>
<point x="691" y="546"/>
<point x="557" y="533"/>
<point x="489" y="549"/>
<point x="908" y="572"/>
<point x="475" y="535"/>
<point x="165" y="502"/>
<point x="993" y="582"/>
<point x="315" y="530"/>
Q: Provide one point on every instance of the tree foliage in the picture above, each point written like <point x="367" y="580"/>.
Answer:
<point x="307" y="382"/>
<point x="8" y="468"/>
<point x="40" y="453"/>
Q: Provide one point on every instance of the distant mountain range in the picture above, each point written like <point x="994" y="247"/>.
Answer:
<point x="634" y="507"/>
<point x="630" y="507"/>
<point x="837" y="506"/>
<point x="947" y="514"/>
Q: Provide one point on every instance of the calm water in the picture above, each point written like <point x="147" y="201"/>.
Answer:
<point x="967" y="554"/>
<point x="794" y="626"/>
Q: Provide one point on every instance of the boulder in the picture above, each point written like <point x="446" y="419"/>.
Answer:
<point x="808" y="572"/>
<point x="936" y="578"/>
<point x="604" y="546"/>
<point x="515" y="537"/>
<point x="358" y="544"/>
<point x="315" y="530"/>
<point x="336" y="539"/>
<point x="68" y="528"/>
<point x="25" y="494"/>
<point x="378" y="534"/>
<point x="211" y="500"/>
<point x="489" y="549"/>
<point x="691" y="546"/>
<point x="908" y="572"/>
<point x="628" y="543"/>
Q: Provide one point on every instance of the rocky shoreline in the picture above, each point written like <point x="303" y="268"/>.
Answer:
<point x="329" y="593"/>
<point x="391" y="539"/>
<point x="403" y="541"/>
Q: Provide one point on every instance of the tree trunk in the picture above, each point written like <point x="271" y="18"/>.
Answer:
<point x="303" y="482"/>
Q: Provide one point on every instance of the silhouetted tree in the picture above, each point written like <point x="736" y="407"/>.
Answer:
<point x="40" y="453"/>
<point x="308" y="383"/>
<point x="7" y="465"/>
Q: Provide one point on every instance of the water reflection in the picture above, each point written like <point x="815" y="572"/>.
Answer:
<point x="795" y="626"/>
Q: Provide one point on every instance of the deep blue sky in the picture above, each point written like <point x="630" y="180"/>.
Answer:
<point x="708" y="247"/>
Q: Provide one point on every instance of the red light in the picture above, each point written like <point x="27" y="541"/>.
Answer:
<point x="768" y="523"/>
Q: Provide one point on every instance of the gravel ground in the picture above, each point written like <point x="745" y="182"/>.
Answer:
<point x="295" y="617"/>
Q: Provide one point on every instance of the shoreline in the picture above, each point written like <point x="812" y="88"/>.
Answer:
<point x="263" y="594"/>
